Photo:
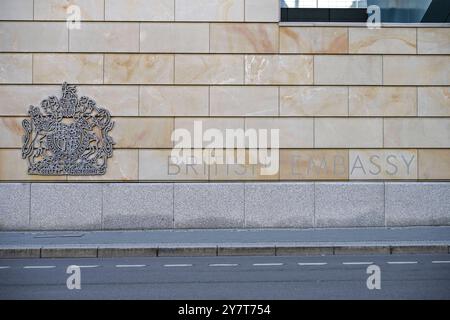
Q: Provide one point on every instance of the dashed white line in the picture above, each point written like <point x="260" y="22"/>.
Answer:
<point x="235" y="264"/>
<point x="402" y="262"/>
<point x="5" y="267"/>
<point x="177" y="265"/>
<point x="87" y="267"/>
<point x="130" y="265"/>
<point x="223" y="265"/>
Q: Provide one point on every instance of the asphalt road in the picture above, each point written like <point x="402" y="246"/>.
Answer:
<point x="319" y="277"/>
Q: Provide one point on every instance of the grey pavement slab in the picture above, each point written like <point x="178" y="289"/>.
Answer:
<point x="417" y="204"/>
<point x="72" y="206"/>
<point x="161" y="206"/>
<point x="186" y="237"/>
<point x="209" y="205"/>
<point x="137" y="206"/>
<point x="14" y="206"/>
<point x="353" y="204"/>
<point x="279" y="205"/>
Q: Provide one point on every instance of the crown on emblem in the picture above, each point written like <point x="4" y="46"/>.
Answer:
<point x="67" y="136"/>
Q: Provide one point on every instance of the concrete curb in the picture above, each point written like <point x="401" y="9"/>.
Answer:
<point x="113" y="251"/>
<point x="133" y="250"/>
<point x="340" y="250"/>
<point x="20" y="252"/>
<point x="420" y="249"/>
<point x="69" y="252"/>
<point x="187" y="251"/>
<point x="246" y="250"/>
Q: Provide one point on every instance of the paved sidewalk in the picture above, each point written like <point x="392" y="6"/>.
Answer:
<point x="224" y="242"/>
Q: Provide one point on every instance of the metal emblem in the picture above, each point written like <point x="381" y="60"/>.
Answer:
<point x="67" y="136"/>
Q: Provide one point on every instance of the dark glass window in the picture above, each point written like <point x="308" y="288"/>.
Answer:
<point x="391" y="11"/>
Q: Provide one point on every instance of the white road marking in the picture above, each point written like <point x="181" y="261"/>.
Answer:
<point x="402" y="262"/>
<point x="39" y="267"/>
<point x="267" y="264"/>
<point x="223" y="265"/>
<point x="4" y="267"/>
<point x="357" y="263"/>
<point x="130" y="265"/>
<point x="312" y="263"/>
<point x="177" y="265"/>
<point x="440" y="262"/>
<point x="92" y="266"/>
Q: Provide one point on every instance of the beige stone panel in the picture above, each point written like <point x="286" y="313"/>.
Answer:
<point x="139" y="10"/>
<point x="139" y="69"/>
<point x="434" y="164"/>
<point x="433" y="40"/>
<point x="209" y="10"/>
<point x="174" y="101"/>
<point x="262" y="10"/>
<point x="244" y="165"/>
<point x="278" y="69"/>
<point x="314" y="164"/>
<point x="209" y="69"/>
<point x="61" y="9"/>
<point x="313" y="101"/>
<point x="293" y="132"/>
<point x="160" y="165"/>
<point x="119" y="100"/>
<point x="123" y="166"/>
<point x="11" y="132"/>
<point x="174" y="37"/>
<point x="416" y="70"/>
<point x="382" y="164"/>
<point x="313" y="40"/>
<point x="15" y="68"/>
<point x="244" y="101"/>
<point x="434" y="101"/>
<point x="72" y="68"/>
<point x="197" y="127"/>
<point x="105" y="37"/>
<point x="33" y="36"/>
<point x="348" y="70"/>
<point x="348" y="133"/>
<point x="244" y="38"/>
<point x="142" y="132"/>
<point x="383" y="40"/>
<point x="15" y="100"/>
<point x="16" y="10"/>
<point x="383" y="101"/>
<point x="417" y="133"/>
<point x="13" y="167"/>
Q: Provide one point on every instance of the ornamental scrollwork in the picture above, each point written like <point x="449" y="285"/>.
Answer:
<point x="67" y="136"/>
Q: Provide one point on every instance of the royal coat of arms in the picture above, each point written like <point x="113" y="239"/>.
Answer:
<point x="67" y="136"/>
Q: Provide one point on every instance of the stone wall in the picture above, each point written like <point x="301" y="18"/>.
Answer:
<point x="341" y="96"/>
<point x="114" y="206"/>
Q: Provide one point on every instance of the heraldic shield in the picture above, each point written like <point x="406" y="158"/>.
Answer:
<point x="67" y="136"/>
